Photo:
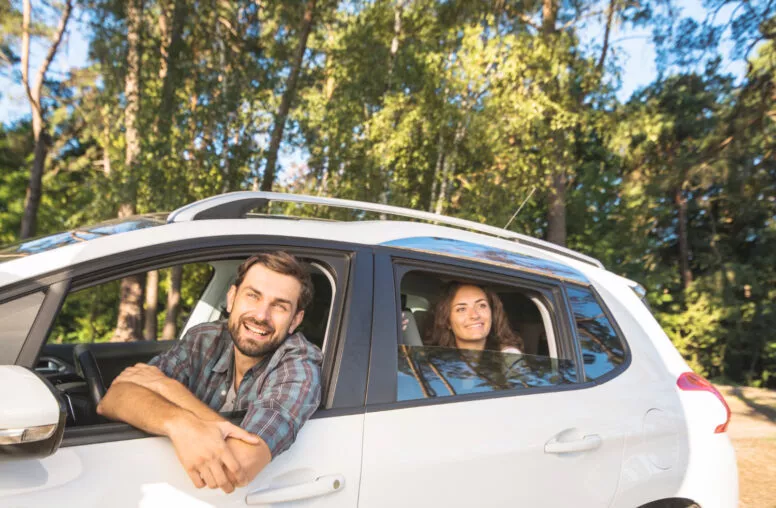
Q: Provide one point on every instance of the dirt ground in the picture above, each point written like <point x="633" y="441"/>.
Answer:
<point x="753" y="431"/>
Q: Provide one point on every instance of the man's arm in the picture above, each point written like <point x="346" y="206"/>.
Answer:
<point x="252" y="457"/>
<point x="199" y="444"/>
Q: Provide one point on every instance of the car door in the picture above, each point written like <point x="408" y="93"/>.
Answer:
<point x="117" y="465"/>
<point x="542" y="443"/>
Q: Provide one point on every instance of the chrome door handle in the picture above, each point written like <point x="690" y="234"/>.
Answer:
<point x="319" y="487"/>
<point x="587" y="443"/>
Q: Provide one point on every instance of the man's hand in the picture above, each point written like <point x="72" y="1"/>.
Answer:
<point x="202" y="450"/>
<point x="143" y="375"/>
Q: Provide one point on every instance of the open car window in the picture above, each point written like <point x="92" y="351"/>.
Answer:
<point x="433" y="363"/>
<point x="89" y="318"/>
<point x="525" y="310"/>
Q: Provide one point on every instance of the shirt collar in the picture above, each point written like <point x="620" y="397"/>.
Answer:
<point x="226" y="359"/>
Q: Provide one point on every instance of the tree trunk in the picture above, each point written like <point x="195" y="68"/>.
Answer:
<point x="387" y="173"/>
<point x="225" y="165"/>
<point x="151" y="304"/>
<point x="132" y="96"/>
<point x="607" y="31"/>
<point x="440" y="162"/>
<point x="34" y="93"/>
<point x="556" y="204"/>
<point x="106" y="166"/>
<point x="129" y="324"/>
<point x="448" y="168"/>
<point x="398" y="10"/>
<point x="556" y="179"/>
<point x="35" y="186"/>
<point x="172" y="44"/>
<point x="549" y="16"/>
<point x="684" y="247"/>
<point x="173" y="303"/>
<point x="288" y="96"/>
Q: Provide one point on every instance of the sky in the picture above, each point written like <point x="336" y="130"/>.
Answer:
<point x="633" y="46"/>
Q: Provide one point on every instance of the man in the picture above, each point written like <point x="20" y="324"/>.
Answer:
<point x="248" y="362"/>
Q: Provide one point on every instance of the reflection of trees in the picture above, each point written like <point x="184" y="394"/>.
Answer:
<point x="464" y="371"/>
<point x="592" y="330"/>
<point x="444" y="380"/>
<point x="594" y="327"/>
<point x="412" y="370"/>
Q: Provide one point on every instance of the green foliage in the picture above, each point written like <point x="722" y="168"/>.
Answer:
<point x="89" y="315"/>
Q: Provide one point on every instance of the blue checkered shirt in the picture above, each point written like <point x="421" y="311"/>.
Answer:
<point x="278" y="394"/>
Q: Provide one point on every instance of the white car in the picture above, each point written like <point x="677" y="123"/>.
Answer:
<point x="598" y="410"/>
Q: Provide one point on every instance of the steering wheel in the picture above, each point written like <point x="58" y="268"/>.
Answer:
<point x="86" y="366"/>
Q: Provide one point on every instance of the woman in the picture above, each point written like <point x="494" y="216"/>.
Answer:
<point x="472" y="317"/>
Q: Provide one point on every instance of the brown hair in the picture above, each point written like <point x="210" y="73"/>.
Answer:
<point x="500" y="336"/>
<point x="284" y="263"/>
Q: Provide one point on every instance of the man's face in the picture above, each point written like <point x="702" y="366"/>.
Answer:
<point x="262" y="311"/>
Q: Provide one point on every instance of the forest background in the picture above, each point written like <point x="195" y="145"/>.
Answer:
<point x="469" y="108"/>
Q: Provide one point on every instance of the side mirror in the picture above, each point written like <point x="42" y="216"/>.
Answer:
<point x="32" y="419"/>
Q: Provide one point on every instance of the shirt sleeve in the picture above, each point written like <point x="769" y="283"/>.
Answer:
<point x="175" y="362"/>
<point x="290" y="395"/>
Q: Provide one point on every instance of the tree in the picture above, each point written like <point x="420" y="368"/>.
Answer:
<point x="288" y="96"/>
<point x="129" y="325"/>
<point x="34" y="93"/>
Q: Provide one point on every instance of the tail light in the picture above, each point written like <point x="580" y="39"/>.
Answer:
<point x="692" y="382"/>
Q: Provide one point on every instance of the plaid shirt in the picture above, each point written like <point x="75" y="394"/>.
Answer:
<point x="278" y="394"/>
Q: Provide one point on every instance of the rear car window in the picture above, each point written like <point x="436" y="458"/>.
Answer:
<point x="602" y="349"/>
<point x="440" y="351"/>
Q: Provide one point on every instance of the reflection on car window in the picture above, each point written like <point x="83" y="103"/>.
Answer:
<point x="426" y="372"/>
<point x="602" y="350"/>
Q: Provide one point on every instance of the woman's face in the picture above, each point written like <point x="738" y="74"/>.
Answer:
<point x="470" y="317"/>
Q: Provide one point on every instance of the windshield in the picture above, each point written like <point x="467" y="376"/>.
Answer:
<point x="83" y="234"/>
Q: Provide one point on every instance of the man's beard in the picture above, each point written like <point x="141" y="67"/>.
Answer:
<point x="250" y="347"/>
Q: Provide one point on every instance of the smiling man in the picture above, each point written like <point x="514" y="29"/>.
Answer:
<point x="253" y="361"/>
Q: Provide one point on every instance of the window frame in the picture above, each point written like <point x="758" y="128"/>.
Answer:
<point x="392" y="264"/>
<point x="345" y="364"/>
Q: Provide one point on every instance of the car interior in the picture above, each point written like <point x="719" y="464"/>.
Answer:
<point x="527" y="313"/>
<point x="82" y="372"/>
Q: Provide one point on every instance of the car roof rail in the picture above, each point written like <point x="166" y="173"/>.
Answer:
<point x="235" y="205"/>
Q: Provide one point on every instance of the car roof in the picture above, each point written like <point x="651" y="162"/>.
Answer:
<point x="409" y="236"/>
<point x="485" y="244"/>
<point x="83" y="234"/>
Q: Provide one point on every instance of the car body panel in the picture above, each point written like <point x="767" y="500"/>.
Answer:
<point x="145" y="472"/>
<point x="463" y="454"/>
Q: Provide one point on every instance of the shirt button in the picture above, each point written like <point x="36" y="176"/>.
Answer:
<point x="223" y="392"/>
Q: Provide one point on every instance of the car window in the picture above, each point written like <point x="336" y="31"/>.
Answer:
<point x="90" y="315"/>
<point x="515" y="339"/>
<point x="16" y="318"/>
<point x="421" y="291"/>
<point x="602" y="349"/>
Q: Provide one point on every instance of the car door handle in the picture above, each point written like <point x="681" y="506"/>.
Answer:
<point x="319" y="487"/>
<point x="587" y="443"/>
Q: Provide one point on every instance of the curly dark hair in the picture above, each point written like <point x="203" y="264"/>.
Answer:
<point x="500" y="336"/>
